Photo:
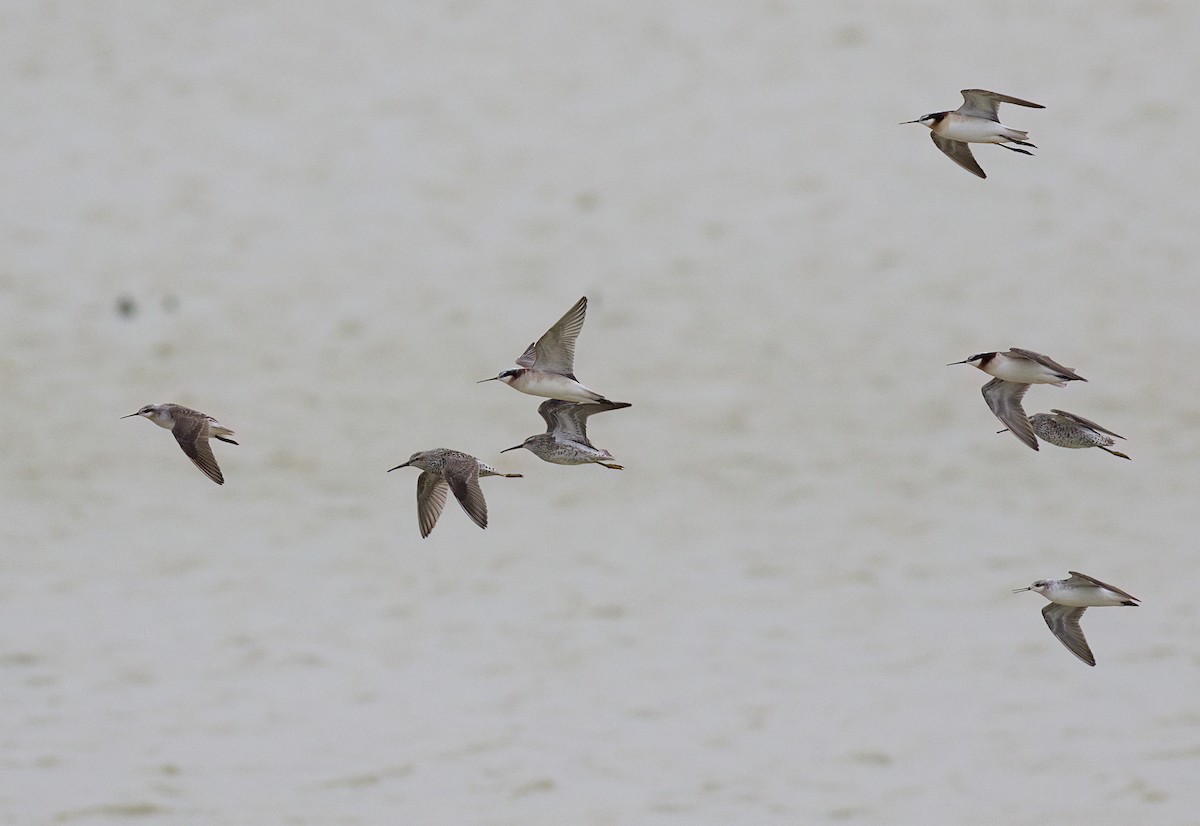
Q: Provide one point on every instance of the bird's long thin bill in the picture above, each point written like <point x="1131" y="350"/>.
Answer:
<point x="131" y="414"/>
<point x="918" y="120"/>
<point x="493" y="378"/>
<point x="964" y="361"/>
<point x="515" y="447"/>
<point x="397" y="467"/>
<point x="1019" y="590"/>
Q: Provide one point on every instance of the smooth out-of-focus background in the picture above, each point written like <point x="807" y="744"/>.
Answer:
<point x="322" y="224"/>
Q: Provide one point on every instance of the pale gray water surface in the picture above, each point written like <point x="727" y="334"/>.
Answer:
<point x="792" y="607"/>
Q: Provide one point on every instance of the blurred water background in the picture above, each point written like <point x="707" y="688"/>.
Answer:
<point x="323" y="223"/>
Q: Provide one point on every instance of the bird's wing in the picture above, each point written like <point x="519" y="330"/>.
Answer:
<point x="529" y="356"/>
<point x="980" y="103"/>
<point x="431" y="498"/>
<point x="189" y="432"/>
<point x="567" y="421"/>
<point x="958" y="152"/>
<point x="462" y="474"/>
<point x="1084" y="422"/>
<point x="1046" y="361"/>
<point x="1004" y="398"/>
<point x="570" y="421"/>
<point x="1083" y="579"/>
<point x="592" y="408"/>
<point x="180" y="412"/>
<point x="549" y="411"/>
<point x="1063" y="622"/>
<point x="554" y="352"/>
<point x="581" y="412"/>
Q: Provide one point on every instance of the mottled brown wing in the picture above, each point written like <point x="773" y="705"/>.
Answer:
<point x="1063" y="622"/>
<point x="1083" y="579"/>
<point x="568" y="420"/>
<point x="564" y="421"/>
<point x="431" y="498"/>
<point x="548" y="410"/>
<point x="462" y="474"/>
<point x="1046" y="361"/>
<point x="190" y="433"/>
<point x="1004" y="399"/>
<point x="958" y="152"/>
<point x="980" y="103"/>
<point x="1085" y="422"/>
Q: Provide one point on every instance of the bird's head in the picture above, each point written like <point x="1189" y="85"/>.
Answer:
<point x="930" y="120"/>
<point x="507" y="376"/>
<point x="977" y="360"/>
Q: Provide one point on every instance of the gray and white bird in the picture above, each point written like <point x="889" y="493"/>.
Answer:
<point x="547" y="367"/>
<point x="1058" y="427"/>
<point x="192" y="429"/>
<point x="1069" y="598"/>
<point x="1014" y="370"/>
<point x="565" y="441"/>
<point x="976" y="121"/>
<point x="443" y="469"/>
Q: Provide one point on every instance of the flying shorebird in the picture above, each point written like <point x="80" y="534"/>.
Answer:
<point x="1014" y="370"/>
<point x="1058" y="427"/>
<point x="444" y="469"/>
<point x="192" y="429"/>
<point x="565" y="441"/>
<point x="547" y="367"/>
<point x="975" y="121"/>
<point x="1069" y="598"/>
